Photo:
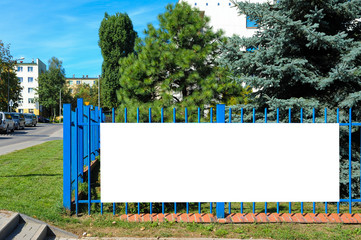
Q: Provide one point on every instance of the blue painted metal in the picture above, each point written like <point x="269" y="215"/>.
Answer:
<point x="76" y="160"/>
<point x="230" y="115"/>
<point x="137" y="115"/>
<point x="175" y="207"/>
<point x="221" y="118"/>
<point x="211" y="115"/>
<point x="125" y="115"/>
<point x="241" y="115"/>
<point x="350" y="161"/>
<point x="67" y="157"/>
<point x="89" y="163"/>
<point x="199" y="115"/>
<point x="174" y="115"/>
<point x="210" y="208"/>
<point x="80" y="107"/>
<point x="113" y="115"/>
<point x="265" y="120"/>
<point x="199" y="207"/>
<point x="278" y="120"/>
<point x="338" y="121"/>
<point x="150" y="115"/>
<point x="289" y="121"/>
<point x="162" y="116"/>
<point x="185" y="115"/>
<point x="301" y="120"/>
<point x="326" y="210"/>
<point x="241" y="207"/>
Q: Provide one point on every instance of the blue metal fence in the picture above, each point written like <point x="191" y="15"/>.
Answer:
<point x="82" y="146"/>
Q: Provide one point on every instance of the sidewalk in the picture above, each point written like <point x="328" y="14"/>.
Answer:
<point x="248" y="218"/>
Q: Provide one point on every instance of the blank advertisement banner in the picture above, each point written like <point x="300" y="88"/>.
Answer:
<point x="210" y="162"/>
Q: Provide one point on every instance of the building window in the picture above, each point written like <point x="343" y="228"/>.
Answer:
<point x="20" y="79"/>
<point x="77" y="82"/>
<point x="30" y="69"/>
<point x="251" y="23"/>
<point x="30" y="90"/>
<point x="20" y="101"/>
<point x="70" y="82"/>
<point x="20" y="69"/>
<point x="31" y="110"/>
<point x="30" y="79"/>
<point x="21" y="110"/>
<point x="30" y="100"/>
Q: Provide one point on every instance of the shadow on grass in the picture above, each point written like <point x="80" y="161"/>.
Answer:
<point x="32" y="175"/>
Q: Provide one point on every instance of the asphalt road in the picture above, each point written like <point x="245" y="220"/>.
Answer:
<point x="30" y="136"/>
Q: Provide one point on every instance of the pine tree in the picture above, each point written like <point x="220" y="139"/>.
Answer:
<point x="174" y="66"/>
<point x="116" y="40"/>
<point x="306" y="54"/>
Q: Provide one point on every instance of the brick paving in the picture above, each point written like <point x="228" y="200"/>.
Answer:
<point x="247" y="218"/>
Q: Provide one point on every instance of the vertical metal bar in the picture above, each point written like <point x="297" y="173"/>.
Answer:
<point x="253" y="121"/>
<point x="162" y="115"/>
<point x="230" y="115"/>
<point x="113" y="121"/>
<point x="221" y="118"/>
<point x="186" y="115"/>
<point x="289" y="121"/>
<point x="174" y="115"/>
<point x="338" y="121"/>
<point x="76" y="160"/>
<point x="241" y="115"/>
<point x="174" y="120"/>
<point x="126" y="208"/>
<point x="199" y="208"/>
<point x="137" y="115"/>
<point x="241" y="207"/>
<point x="89" y="160"/>
<point x="326" y="207"/>
<point x="187" y="206"/>
<point x="101" y="208"/>
<point x="67" y="156"/>
<point x="138" y="208"/>
<point x="210" y="208"/>
<point x="125" y="115"/>
<point x="199" y="115"/>
<point x="265" y="120"/>
<point x="313" y="121"/>
<point x="80" y="106"/>
<point x="113" y="115"/>
<point x="211" y="115"/>
<point x="229" y="208"/>
<point x="162" y="121"/>
<point x="278" y="120"/>
<point x="150" y="120"/>
<point x="350" y="161"/>
<point x="301" y="120"/>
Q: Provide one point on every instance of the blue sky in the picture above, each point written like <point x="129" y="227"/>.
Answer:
<point x="68" y="29"/>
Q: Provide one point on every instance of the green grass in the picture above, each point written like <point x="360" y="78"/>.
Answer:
<point x="31" y="183"/>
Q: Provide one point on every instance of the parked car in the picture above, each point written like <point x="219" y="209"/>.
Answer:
<point x="43" y="119"/>
<point x="19" y="120"/>
<point x="30" y="119"/>
<point x="6" y="122"/>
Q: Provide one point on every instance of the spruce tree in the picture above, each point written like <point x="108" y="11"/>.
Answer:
<point x="306" y="54"/>
<point x="116" y="40"/>
<point x="175" y="66"/>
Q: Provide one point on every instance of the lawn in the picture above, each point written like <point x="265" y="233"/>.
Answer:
<point x="31" y="183"/>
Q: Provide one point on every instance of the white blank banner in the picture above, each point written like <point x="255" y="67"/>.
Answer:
<point x="166" y="162"/>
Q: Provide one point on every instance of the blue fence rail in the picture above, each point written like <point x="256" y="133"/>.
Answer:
<point x="82" y="146"/>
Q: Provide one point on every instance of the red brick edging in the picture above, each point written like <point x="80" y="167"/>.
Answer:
<point x="247" y="218"/>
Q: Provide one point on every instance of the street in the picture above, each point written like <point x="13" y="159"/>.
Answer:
<point x="30" y="136"/>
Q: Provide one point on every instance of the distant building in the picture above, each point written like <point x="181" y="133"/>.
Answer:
<point x="224" y="15"/>
<point x="28" y="74"/>
<point x="75" y="81"/>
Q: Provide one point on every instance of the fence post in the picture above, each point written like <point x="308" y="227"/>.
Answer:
<point x="220" y="111"/>
<point x="80" y="106"/>
<point x="67" y="157"/>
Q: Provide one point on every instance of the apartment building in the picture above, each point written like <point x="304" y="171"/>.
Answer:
<point x="28" y="74"/>
<point x="75" y="81"/>
<point x="224" y="15"/>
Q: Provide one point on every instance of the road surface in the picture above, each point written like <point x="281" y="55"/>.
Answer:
<point x="31" y="136"/>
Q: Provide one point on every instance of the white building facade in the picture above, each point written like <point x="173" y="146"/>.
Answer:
<point x="224" y="15"/>
<point x="28" y="75"/>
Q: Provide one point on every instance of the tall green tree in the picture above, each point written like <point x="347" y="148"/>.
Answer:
<point x="307" y="54"/>
<point x="50" y="84"/>
<point x="10" y="88"/>
<point x="175" y="66"/>
<point x="116" y="41"/>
